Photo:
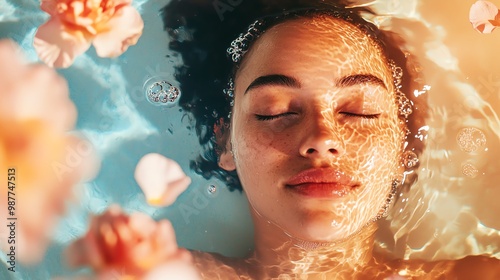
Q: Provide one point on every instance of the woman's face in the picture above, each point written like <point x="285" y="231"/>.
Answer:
<point x="315" y="130"/>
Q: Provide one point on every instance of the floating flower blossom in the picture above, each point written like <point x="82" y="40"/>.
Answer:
<point x="118" y="246"/>
<point x="111" y="25"/>
<point x="161" y="179"/>
<point x="484" y="16"/>
<point x="35" y="115"/>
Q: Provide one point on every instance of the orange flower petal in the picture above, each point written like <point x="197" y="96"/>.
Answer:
<point x="125" y="28"/>
<point x="58" y="46"/>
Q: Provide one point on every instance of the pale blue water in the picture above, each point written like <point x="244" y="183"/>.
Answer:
<point x="114" y="114"/>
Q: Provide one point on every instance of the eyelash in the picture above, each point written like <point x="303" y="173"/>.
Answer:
<point x="373" y="116"/>
<point x="273" y="117"/>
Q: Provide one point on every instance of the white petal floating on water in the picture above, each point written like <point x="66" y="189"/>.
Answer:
<point x="161" y="179"/>
<point x="483" y="16"/>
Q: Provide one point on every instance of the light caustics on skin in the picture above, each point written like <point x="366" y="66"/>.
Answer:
<point x="336" y="111"/>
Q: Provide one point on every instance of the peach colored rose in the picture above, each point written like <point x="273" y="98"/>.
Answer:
<point x="126" y="247"/>
<point x="161" y="179"/>
<point x="484" y="16"/>
<point x="111" y="25"/>
<point x="35" y="114"/>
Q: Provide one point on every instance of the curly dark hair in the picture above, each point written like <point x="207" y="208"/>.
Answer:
<point x="201" y="31"/>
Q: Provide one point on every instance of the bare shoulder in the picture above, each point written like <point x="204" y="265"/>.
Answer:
<point x="471" y="267"/>
<point x="477" y="267"/>
<point x="215" y="266"/>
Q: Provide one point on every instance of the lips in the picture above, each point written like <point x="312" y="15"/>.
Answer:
<point x="321" y="183"/>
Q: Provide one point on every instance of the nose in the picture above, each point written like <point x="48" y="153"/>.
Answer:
<point x="321" y="141"/>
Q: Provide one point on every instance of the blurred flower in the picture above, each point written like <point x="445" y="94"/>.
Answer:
<point x="161" y="179"/>
<point x="484" y="16"/>
<point x="112" y="26"/>
<point x="118" y="246"/>
<point x="175" y="270"/>
<point x="35" y="115"/>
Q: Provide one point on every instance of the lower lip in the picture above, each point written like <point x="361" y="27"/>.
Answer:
<point x="321" y="190"/>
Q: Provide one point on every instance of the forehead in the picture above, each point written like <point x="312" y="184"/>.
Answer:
<point x="321" y="45"/>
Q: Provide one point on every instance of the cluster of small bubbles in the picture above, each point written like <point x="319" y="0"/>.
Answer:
<point x="211" y="189"/>
<point x="384" y="211"/>
<point x="240" y="45"/>
<point x="397" y="73"/>
<point x="471" y="139"/>
<point x="469" y="170"/>
<point x="410" y="159"/>
<point x="404" y="104"/>
<point x="162" y="92"/>
<point x="229" y="91"/>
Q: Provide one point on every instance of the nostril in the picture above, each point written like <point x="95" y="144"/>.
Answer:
<point x="333" y="151"/>
<point x="310" y="151"/>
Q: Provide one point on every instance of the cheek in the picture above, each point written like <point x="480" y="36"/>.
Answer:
<point x="263" y="142"/>
<point x="376" y="150"/>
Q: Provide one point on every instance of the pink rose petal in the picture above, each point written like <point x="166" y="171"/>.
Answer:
<point x="161" y="179"/>
<point x="483" y="16"/>
<point x="35" y="114"/>
<point x="49" y="6"/>
<point x="33" y="92"/>
<point x="11" y="66"/>
<point x="56" y="46"/>
<point x="125" y="28"/>
<point x="45" y="98"/>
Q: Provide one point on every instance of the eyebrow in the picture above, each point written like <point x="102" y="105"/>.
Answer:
<point x="274" y="80"/>
<point x="357" y="79"/>
<point x="287" y="81"/>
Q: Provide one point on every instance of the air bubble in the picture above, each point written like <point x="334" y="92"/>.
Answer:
<point x="410" y="159"/>
<point x="471" y="139"/>
<point x="212" y="189"/>
<point x="469" y="170"/>
<point x="161" y="92"/>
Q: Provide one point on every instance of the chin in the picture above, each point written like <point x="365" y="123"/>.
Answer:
<point x="325" y="230"/>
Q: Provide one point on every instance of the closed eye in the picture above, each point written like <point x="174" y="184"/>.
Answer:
<point x="272" y="117"/>
<point x="353" y="115"/>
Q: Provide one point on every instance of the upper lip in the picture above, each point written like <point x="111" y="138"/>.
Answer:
<point x="321" y="176"/>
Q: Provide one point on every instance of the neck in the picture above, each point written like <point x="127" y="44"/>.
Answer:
<point x="277" y="253"/>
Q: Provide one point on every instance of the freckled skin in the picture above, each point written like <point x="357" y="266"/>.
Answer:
<point x="268" y="153"/>
<point x="324" y="125"/>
